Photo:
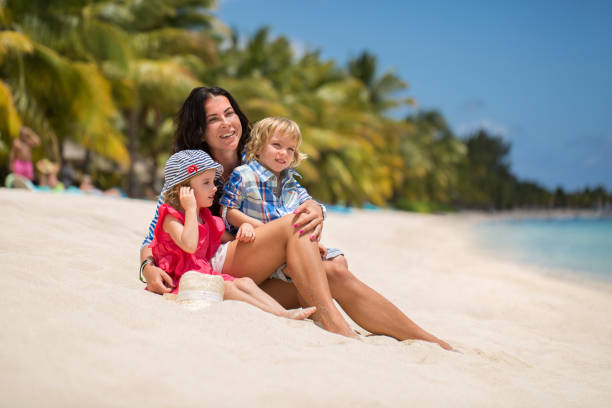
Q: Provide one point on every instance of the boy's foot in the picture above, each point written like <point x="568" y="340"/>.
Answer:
<point x="300" y="314"/>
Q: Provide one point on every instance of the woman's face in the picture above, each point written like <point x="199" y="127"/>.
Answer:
<point x="223" y="128"/>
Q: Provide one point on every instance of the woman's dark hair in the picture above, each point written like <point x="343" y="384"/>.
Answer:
<point x="190" y="121"/>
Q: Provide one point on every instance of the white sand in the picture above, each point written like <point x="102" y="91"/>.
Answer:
<point x="79" y="330"/>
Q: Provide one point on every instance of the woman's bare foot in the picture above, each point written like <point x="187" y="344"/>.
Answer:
<point x="346" y="333"/>
<point x="300" y="314"/>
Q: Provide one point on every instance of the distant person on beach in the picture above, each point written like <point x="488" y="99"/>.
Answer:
<point x="87" y="186"/>
<point x="47" y="176"/>
<point x="188" y="237"/>
<point x="211" y="120"/>
<point x="20" y="156"/>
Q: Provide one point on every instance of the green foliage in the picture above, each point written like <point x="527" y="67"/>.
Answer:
<point x="424" y="207"/>
<point x="109" y="75"/>
<point x="485" y="177"/>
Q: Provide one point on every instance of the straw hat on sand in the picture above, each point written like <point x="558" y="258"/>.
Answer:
<point x="198" y="290"/>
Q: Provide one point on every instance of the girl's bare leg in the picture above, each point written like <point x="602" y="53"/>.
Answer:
<point x="276" y="242"/>
<point x="245" y="290"/>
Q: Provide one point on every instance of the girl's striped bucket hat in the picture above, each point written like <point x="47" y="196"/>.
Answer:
<point x="185" y="164"/>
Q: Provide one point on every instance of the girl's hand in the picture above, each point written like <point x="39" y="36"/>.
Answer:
<point x="187" y="198"/>
<point x="309" y="219"/>
<point x="322" y="250"/>
<point x="246" y="233"/>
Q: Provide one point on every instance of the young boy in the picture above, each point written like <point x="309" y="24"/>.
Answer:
<point x="265" y="188"/>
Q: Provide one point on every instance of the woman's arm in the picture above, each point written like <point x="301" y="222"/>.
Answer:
<point x="157" y="280"/>
<point x="151" y="231"/>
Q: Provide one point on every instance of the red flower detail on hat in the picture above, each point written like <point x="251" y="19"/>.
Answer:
<point x="192" y="168"/>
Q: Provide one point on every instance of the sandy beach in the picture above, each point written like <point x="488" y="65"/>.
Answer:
<point x="81" y="331"/>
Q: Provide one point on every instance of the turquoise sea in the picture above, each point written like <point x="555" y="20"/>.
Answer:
<point x="579" y="248"/>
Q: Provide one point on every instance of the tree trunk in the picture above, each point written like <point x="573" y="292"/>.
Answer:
<point x="132" y="149"/>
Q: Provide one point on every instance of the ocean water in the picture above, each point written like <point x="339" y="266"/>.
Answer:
<point x="578" y="248"/>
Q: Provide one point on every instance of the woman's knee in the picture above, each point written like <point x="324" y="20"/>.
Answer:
<point x="286" y="220"/>
<point x="341" y="260"/>
<point x="337" y="271"/>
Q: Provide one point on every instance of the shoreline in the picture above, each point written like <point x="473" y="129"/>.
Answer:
<point x="551" y="214"/>
<point x="588" y="279"/>
<point x="582" y="278"/>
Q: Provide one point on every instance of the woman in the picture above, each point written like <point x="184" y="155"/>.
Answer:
<point x="211" y="120"/>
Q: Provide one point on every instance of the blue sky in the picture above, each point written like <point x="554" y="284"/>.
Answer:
<point x="538" y="73"/>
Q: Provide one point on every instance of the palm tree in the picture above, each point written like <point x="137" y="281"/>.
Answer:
<point x="171" y="44"/>
<point x="350" y="145"/>
<point x="380" y="88"/>
<point x="432" y="155"/>
<point x="60" y="96"/>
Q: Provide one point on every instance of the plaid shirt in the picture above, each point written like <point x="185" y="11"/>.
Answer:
<point x="251" y="189"/>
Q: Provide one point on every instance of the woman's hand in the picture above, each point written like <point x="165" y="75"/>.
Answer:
<point x="187" y="198"/>
<point x="246" y="233"/>
<point x="158" y="281"/>
<point x="309" y="219"/>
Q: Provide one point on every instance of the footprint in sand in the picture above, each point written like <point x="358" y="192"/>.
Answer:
<point x="499" y="357"/>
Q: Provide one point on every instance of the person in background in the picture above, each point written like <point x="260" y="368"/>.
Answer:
<point x="20" y="156"/>
<point x="47" y="176"/>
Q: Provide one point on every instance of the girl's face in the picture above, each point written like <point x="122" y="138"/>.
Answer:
<point x="204" y="188"/>
<point x="223" y="128"/>
<point x="278" y="153"/>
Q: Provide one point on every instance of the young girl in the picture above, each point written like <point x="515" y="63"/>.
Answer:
<point x="188" y="237"/>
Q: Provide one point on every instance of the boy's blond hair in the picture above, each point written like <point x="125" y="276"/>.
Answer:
<point x="265" y="128"/>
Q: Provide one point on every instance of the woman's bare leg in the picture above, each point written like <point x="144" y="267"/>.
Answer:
<point x="275" y="243"/>
<point x="245" y="290"/>
<point x="368" y="308"/>
<point x="283" y="292"/>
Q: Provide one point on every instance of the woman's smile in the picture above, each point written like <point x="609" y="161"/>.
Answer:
<point x="223" y="128"/>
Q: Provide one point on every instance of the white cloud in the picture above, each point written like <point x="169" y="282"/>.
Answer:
<point x="495" y="128"/>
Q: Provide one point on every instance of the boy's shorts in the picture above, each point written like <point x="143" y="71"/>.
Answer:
<point x="279" y="274"/>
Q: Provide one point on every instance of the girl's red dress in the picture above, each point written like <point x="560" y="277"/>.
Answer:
<point x="172" y="259"/>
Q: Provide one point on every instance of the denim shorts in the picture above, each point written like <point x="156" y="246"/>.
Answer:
<point x="279" y="274"/>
